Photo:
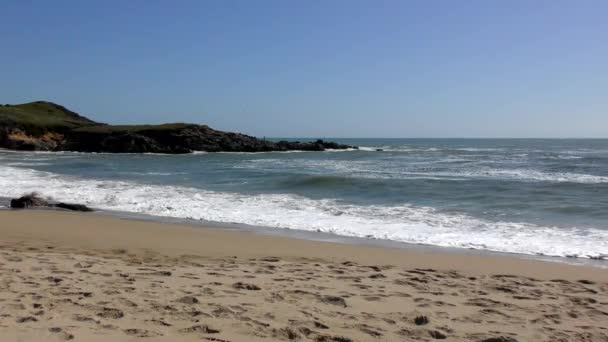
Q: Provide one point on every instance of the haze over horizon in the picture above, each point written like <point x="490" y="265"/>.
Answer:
<point x="317" y="68"/>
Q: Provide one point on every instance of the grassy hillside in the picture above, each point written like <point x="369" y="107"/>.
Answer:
<point x="41" y="117"/>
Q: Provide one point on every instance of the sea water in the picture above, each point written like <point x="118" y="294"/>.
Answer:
<point x="539" y="197"/>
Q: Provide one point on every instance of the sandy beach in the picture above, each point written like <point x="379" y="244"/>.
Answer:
<point x="79" y="277"/>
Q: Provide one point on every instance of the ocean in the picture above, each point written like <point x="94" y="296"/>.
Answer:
<point x="529" y="196"/>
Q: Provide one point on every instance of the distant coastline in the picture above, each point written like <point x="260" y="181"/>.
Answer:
<point x="46" y="126"/>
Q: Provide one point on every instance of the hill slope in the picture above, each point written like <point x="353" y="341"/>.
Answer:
<point x="46" y="126"/>
<point x="42" y="116"/>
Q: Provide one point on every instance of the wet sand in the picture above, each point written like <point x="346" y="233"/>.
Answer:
<point x="68" y="276"/>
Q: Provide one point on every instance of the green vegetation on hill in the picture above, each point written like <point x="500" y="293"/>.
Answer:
<point x="41" y="117"/>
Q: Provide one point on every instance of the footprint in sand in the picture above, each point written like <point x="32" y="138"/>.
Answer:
<point x="201" y="328"/>
<point x="245" y="286"/>
<point x="111" y="313"/>
<point x="141" y="332"/>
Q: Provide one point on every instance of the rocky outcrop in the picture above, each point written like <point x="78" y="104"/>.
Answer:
<point x="45" y="126"/>
<point x="179" y="138"/>
<point x="28" y="201"/>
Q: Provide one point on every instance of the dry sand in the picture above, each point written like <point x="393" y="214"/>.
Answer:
<point x="82" y="277"/>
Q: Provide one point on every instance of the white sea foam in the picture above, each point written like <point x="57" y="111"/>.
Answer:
<point x="479" y="149"/>
<point x="533" y="175"/>
<point x="415" y="170"/>
<point x="404" y="223"/>
<point x="152" y="173"/>
<point x="28" y="164"/>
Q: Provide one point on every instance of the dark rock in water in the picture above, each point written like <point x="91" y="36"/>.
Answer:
<point x="27" y="201"/>
<point x="74" y="207"/>
<point x="16" y="204"/>
<point x="35" y="200"/>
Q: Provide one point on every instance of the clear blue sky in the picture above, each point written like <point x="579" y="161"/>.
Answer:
<point x="498" y="68"/>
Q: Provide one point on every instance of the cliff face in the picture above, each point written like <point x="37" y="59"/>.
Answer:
<point x="49" y="127"/>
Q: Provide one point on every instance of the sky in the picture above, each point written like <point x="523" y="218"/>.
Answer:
<point x="331" y="68"/>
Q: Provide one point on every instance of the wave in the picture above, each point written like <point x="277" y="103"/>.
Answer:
<point x="152" y="173"/>
<point x="405" y="223"/>
<point x="534" y="175"/>
<point x="28" y="164"/>
<point x="417" y="170"/>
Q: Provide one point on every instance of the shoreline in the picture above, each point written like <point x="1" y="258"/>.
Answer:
<point x="459" y="259"/>
<point x="82" y="277"/>
<point x="319" y="236"/>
